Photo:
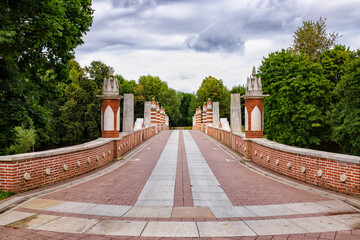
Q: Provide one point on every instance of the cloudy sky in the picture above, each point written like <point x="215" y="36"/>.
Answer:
<point x="183" y="41"/>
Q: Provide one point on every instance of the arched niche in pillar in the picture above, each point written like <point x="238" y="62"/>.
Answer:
<point x="246" y="120"/>
<point x="118" y="120"/>
<point x="108" y="119"/>
<point x="256" y="119"/>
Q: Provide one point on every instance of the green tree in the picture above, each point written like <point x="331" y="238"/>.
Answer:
<point x="33" y="33"/>
<point x="97" y="71"/>
<point x="215" y="90"/>
<point x="24" y="140"/>
<point x="152" y="87"/>
<point x="37" y="39"/>
<point x="335" y="62"/>
<point x="80" y="113"/>
<point x="187" y="108"/>
<point x="171" y="104"/>
<point x="346" y="113"/>
<point x="295" y="112"/>
<point x="312" y="38"/>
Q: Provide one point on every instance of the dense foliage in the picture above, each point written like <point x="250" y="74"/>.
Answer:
<point x="215" y="90"/>
<point x="314" y="91"/>
<point x="346" y="113"/>
<point x="37" y="39"/>
<point x="296" y="108"/>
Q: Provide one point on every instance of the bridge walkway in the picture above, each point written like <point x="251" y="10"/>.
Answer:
<point x="181" y="184"/>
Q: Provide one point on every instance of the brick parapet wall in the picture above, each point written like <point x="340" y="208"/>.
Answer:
<point x="324" y="169"/>
<point x="48" y="167"/>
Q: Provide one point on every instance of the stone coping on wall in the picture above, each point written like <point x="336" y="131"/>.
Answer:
<point x="25" y="156"/>
<point x="307" y="152"/>
<point x="240" y="134"/>
<point x="301" y="151"/>
<point x="76" y="148"/>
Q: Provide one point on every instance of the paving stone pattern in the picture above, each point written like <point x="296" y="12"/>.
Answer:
<point x="236" y="180"/>
<point x="181" y="186"/>
<point x="120" y="187"/>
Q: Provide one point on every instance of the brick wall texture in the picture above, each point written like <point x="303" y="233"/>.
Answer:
<point x="55" y="168"/>
<point x="322" y="172"/>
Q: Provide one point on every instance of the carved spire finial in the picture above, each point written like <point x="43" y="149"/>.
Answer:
<point x="111" y="72"/>
<point x="110" y="85"/>
<point x="253" y="86"/>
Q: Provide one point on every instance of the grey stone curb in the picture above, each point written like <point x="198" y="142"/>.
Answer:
<point x="16" y="200"/>
<point x="352" y="201"/>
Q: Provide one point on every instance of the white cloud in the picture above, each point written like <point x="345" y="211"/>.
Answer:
<point x="140" y="37"/>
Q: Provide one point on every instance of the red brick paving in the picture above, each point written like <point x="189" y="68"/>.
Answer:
<point x="121" y="187"/>
<point x="183" y="194"/>
<point x="245" y="187"/>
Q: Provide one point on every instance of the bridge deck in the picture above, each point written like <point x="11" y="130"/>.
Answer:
<point x="181" y="184"/>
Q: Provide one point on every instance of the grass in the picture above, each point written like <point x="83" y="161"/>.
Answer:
<point x="6" y="194"/>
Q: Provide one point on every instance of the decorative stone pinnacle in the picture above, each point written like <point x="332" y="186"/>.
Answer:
<point x="111" y="72"/>
<point x="254" y="86"/>
<point x="110" y="85"/>
<point x="254" y="71"/>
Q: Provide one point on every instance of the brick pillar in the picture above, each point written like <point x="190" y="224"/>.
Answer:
<point x="198" y="117"/>
<point x="153" y="112"/>
<point x="204" y="119"/>
<point x="209" y="113"/>
<point x="110" y="107"/>
<point x="162" y="116"/>
<point x="254" y="112"/>
<point x="157" y="113"/>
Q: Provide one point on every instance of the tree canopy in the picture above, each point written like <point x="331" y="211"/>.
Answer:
<point x="37" y="40"/>
<point x="313" y="92"/>
<point x="214" y="89"/>
<point x="313" y="39"/>
<point x="345" y="116"/>
<point x="298" y="99"/>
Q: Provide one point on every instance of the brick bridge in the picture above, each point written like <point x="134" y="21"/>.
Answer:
<point x="211" y="182"/>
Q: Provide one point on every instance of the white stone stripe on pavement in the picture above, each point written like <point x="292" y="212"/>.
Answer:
<point x="160" y="187"/>
<point x="206" y="189"/>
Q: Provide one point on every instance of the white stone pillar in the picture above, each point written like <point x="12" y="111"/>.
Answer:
<point x="235" y="113"/>
<point x="147" y="114"/>
<point x="216" y="114"/>
<point x="128" y="116"/>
